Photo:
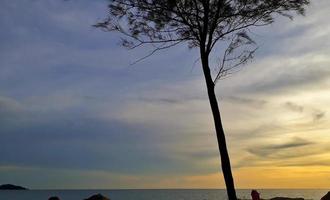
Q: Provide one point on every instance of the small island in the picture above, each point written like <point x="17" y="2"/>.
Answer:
<point x="11" y="187"/>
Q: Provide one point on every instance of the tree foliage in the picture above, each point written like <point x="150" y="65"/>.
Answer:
<point x="200" y="23"/>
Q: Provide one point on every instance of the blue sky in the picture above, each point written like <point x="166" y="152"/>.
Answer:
<point x="75" y="114"/>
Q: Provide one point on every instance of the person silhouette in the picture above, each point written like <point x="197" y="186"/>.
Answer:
<point x="255" y="195"/>
<point x="54" y="198"/>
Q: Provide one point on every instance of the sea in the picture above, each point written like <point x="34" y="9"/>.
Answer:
<point x="159" y="194"/>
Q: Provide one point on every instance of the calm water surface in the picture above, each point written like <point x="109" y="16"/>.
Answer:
<point x="154" y="194"/>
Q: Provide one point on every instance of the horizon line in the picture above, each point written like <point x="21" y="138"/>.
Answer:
<point x="182" y="189"/>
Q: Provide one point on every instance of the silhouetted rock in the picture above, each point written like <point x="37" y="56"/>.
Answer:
<point x="11" y="187"/>
<point x="326" y="197"/>
<point x="54" y="198"/>
<point x="286" y="198"/>
<point x="98" y="197"/>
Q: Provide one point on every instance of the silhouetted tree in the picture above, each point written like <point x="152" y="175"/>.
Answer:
<point x="202" y="24"/>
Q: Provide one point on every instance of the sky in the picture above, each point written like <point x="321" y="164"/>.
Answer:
<point x="75" y="114"/>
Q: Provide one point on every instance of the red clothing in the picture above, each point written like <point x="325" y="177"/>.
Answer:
<point x="255" y="195"/>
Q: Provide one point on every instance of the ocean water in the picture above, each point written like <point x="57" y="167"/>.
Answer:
<point x="169" y="194"/>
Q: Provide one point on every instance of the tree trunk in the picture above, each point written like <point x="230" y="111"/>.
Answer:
<point x="225" y="162"/>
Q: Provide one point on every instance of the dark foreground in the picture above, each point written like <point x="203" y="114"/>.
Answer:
<point x="168" y="194"/>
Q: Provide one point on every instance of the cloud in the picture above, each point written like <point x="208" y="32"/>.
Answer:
<point x="246" y="101"/>
<point x="294" y="107"/>
<point x="8" y="107"/>
<point x="272" y="149"/>
<point x="284" y="81"/>
<point x="317" y="116"/>
<point x="296" y="61"/>
<point x="319" y="162"/>
<point x="98" y="179"/>
<point x="298" y="155"/>
<point x="63" y="134"/>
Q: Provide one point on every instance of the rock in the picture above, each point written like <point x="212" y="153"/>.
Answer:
<point x="286" y="198"/>
<point x="98" y="197"/>
<point x="54" y="198"/>
<point x="326" y="197"/>
<point x="11" y="187"/>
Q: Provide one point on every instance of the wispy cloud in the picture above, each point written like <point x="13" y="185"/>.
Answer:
<point x="318" y="115"/>
<point x="272" y="149"/>
<point x="246" y="101"/>
<point x="294" y="107"/>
